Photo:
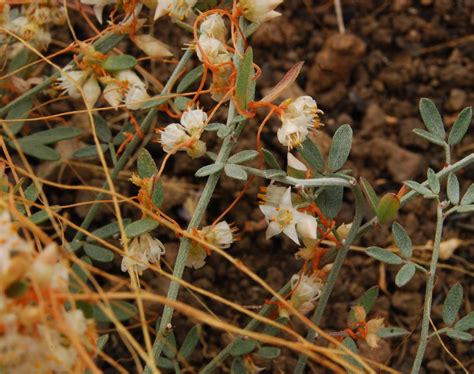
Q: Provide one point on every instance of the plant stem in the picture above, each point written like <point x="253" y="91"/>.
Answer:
<point x="334" y="273"/>
<point x="447" y="153"/>
<point x="198" y="214"/>
<point x="131" y="147"/>
<point x="251" y="326"/>
<point x="425" y="324"/>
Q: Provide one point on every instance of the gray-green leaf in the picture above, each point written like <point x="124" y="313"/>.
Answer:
<point x="243" y="156"/>
<point x="89" y="151"/>
<point x="270" y="159"/>
<point x="429" y="136"/>
<point x="432" y="118"/>
<point x="453" y="189"/>
<point x="40" y="151"/>
<point x="51" y="136"/>
<point x="392" y="332"/>
<point x="140" y="227"/>
<point x="466" y="322"/>
<point x="433" y="181"/>
<point x="122" y="310"/>
<point x="146" y="165"/>
<point x="209" y="169"/>
<point x="242" y="347"/>
<point x="235" y="171"/>
<point x="189" y="79"/>
<point x="402" y="240"/>
<point x="311" y="154"/>
<point x="238" y="366"/>
<point x="340" y="148"/>
<point x="384" y="256"/>
<point x="405" y="274"/>
<point x="417" y="187"/>
<point x="459" y="335"/>
<point x="190" y="342"/>
<point x="102" y="129"/>
<point x="452" y="303"/>
<point x="268" y="352"/>
<point x="460" y="126"/>
<point x="468" y="197"/>
<point x="119" y="63"/>
<point x="99" y="254"/>
<point x="243" y="85"/>
<point x="369" y="193"/>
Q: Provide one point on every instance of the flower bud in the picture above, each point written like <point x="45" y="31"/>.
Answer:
<point x="152" y="46"/>
<point x="343" y="230"/>
<point x="388" y="207"/>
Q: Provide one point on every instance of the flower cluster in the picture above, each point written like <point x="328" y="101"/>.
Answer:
<point x="185" y="136"/>
<point x="123" y="87"/>
<point x="299" y="117"/>
<point x="36" y="330"/>
<point x="212" y="49"/>
<point x="174" y="8"/>
<point x="282" y="217"/>
<point x="32" y="24"/>
<point x="219" y="235"/>
<point x="143" y="250"/>
<point x="366" y="330"/>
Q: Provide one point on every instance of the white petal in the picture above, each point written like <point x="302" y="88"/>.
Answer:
<point x="272" y="230"/>
<point x="113" y="94"/>
<point x="91" y="91"/>
<point x="290" y="231"/>
<point x="98" y="10"/>
<point x="307" y="225"/>
<point x="268" y="211"/>
<point x="286" y="199"/>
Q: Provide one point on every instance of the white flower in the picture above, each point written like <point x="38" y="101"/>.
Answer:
<point x="288" y="220"/>
<point x="271" y="195"/>
<point x="220" y="235"/>
<point x="98" y="6"/>
<point x="130" y="77"/>
<point x="76" y="321"/>
<point x="70" y="80"/>
<point x="305" y="291"/>
<point x="174" y="8"/>
<point x="152" y="46"/>
<point x="302" y="105"/>
<point x="92" y="91"/>
<point x="172" y="136"/>
<point x="46" y="269"/>
<point x="196" y="256"/>
<point x="143" y="250"/>
<point x="136" y="96"/>
<point x="113" y="94"/>
<point x="185" y="136"/>
<point x="373" y="326"/>
<point x="259" y="10"/>
<point x="214" y="27"/>
<point x="213" y="49"/>
<point x="194" y="121"/>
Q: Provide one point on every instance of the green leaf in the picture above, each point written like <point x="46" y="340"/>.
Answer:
<point x="340" y="148"/>
<point x="236" y="172"/>
<point x="238" y="366"/>
<point x="140" y="227"/>
<point x="101" y="341"/>
<point x="352" y="346"/>
<point x="165" y="363"/>
<point x="99" y="254"/>
<point x="242" y="347"/>
<point x="225" y="131"/>
<point x="460" y="126"/>
<point x="31" y="192"/>
<point x="42" y="216"/>
<point x="20" y="111"/>
<point x="146" y="165"/>
<point x="269" y="353"/>
<point x="369" y="193"/>
<point x="384" y="256"/>
<point x="419" y="188"/>
<point x="429" y="136"/>
<point x="466" y="322"/>
<point x="433" y="181"/>
<point x="453" y="189"/>
<point x="119" y="63"/>
<point x="189" y="79"/>
<point x="122" y="310"/>
<point x="17" y="289"/>
<point x="169" y="348"/>
<point x="243" y="84"/>
<point x="89" y="151"/>
<point x="182" y="102"/>
<point x="214" y="126"/>
<point x="402" y="240"/>
<point x="368" y="299"/>
<point x="432" y="118"/>
<point x="270" y="159"/>
<point x="274" y="173"/>
<point x="158" y="194"/>
<point x="272" y="330"/>
<point x="102" y="129"/>
<point x="81" y="272"/>
<point x="39" y="151"/>
<point x="468" y="197"/>
<point x="190" y="342"/>
<point x="330" y="200"/>
<point x="109" y="230"/>
<point x="51" y="136"/>
<point x="459" y="335"/>
<point x="311" y="154"/>
<point x="452" y="303"/>
<point x="209" y="169"/>
<point x="392" y="332"/>
<point x="21" y="59"/>
<point x="405" y="274"/>
<point x="243" y="156"/>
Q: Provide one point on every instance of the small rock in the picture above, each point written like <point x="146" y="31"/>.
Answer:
<point x="457" y="99"/>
